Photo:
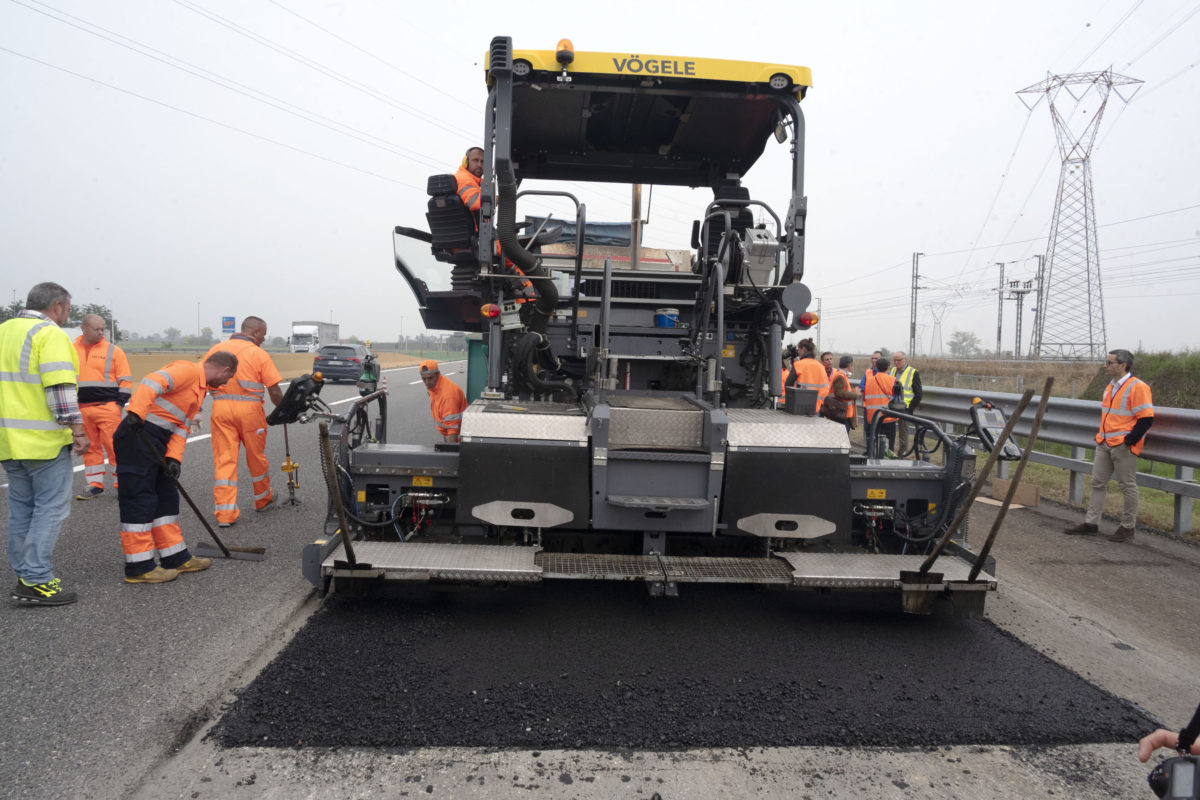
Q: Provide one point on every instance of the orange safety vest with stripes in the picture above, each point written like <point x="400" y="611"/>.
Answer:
<point x="469" y="188"/>
<point x="256" y="371"/>
<point x="170" y="398"/>
<point x="878" y="394"/>
<point x="447" y="404"/>
<point x="849" y="403"/>
<point x="810" y="374"/>
<point x="1121" y="409"/>
<point x="103" y="372"/>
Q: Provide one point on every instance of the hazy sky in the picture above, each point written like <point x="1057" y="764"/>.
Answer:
<point x="181" y="160"/>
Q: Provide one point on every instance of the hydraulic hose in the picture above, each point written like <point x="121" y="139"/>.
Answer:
<point x="525" y="364"/>
<point x="506" y="232"/>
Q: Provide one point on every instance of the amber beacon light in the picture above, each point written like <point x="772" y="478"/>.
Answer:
<point x="566" y="52"/>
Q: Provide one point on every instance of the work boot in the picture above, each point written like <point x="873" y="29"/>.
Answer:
<point x="195" y="564"/>
<point x="1082" y="529"/>
<point x="156" y="575"/>
<point x="270" y="502"/>
<point x="224" y="524"/>
<point x="1122" y="534"/>
<point x="89" y="493"/>
<point x="49" y="593"/>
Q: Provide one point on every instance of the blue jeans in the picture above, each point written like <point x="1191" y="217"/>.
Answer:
<point x="39" y="501"/>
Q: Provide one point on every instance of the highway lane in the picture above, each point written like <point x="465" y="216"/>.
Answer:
<point x="105" y="697"/>
<point x="96" y="693"/>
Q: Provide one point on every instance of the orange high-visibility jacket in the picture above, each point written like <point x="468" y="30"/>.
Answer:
<point x="104" y="372"/>
<point x="810" y="374"/>
<point x="256" y="370"/>
<point x="1119" y="411"/>
<point x="849" y="403"/>
<point x="468" y="188"/>
<point x="878" y="394"/>
<point x="170" y="398"/>
<point x="447" y="404"/>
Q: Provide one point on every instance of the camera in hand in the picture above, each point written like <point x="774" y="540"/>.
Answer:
<point x="1175" y="778"/>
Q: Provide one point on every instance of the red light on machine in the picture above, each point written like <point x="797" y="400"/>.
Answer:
<point x="490" y="310"/>
<point x="807" y="320"/>
<point x="565" y="52"/>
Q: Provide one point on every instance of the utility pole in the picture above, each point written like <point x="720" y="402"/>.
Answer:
<point x="999" y="307"/>
<point x="1035" y="338"/>
<point x="912" y="314"/>
<point x="1017" y="291"/>
<point x="818" y="342"/>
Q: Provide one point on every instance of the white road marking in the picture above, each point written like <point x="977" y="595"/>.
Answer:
<point x="203" y="436"/>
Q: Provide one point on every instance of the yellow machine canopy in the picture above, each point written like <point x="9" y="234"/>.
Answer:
<point x="633" y="118"/>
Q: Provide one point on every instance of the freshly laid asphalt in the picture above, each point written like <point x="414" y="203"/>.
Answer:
<point x="605" y="666"/>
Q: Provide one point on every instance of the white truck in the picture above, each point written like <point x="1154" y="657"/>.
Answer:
<point x="309" y="336"/>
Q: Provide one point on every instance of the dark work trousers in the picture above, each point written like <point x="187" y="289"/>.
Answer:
<point x="148" y="500"/>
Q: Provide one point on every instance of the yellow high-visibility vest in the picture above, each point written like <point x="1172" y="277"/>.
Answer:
<point x="906" y="380"/>
<point x="34" y="354"/>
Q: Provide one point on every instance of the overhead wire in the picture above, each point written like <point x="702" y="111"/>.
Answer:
<point x="223" y="81"/>
<point x="209" y="120"/>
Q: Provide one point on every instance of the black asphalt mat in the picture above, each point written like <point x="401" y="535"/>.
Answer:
<point x="577" y="665"/>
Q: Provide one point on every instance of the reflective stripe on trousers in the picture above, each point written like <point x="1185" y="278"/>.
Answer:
<point x="100" y="422"/>
<point x="233" y="426"/>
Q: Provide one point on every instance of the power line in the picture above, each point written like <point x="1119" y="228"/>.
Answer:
<point x="314" y="65"/>
<point x="1106" y="36"/>
<point x="210" y="120"/>
<point x="369" y="54"/>
<point x="225" y="82"/>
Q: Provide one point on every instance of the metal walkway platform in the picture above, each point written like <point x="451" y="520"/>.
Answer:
<point x="417" y="561"/>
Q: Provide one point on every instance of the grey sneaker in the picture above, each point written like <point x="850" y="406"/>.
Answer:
<point x="50" y="593"/>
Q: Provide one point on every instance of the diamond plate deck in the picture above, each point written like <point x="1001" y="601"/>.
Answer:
<point x="430" y="561"/>
<point x="556" y="422"/>
<point x="481" y="563"/>
<point x="864" y="571"/>
<point x="758" y="427"/>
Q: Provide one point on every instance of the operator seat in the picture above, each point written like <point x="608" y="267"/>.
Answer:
<point x="733" y="198"/>
<point x="453" y="230"/>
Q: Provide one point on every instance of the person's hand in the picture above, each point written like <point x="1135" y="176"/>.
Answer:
<point x="173" y="468"/>
<point x="80" y="443"/>
<point x="1160" y="738"/>
<point x="1128" y="440"/>
<point x="134" y="421"/>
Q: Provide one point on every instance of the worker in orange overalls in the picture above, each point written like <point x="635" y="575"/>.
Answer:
<point x="446" y="401"/>
<point x="159" y="415"/>
<point x="880" y="387"/>
<point x="238" y="419"/>
<point x="105" y="384"/>
<point x="470" y="180"/>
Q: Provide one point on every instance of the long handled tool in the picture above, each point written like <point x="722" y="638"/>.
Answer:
<point x="1016" y="480"/>
<point x="242" y="553"/>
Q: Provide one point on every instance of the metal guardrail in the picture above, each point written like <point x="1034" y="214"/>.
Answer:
<point x="1174" y="439"/>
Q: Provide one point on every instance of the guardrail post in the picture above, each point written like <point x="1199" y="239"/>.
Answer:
<point x="1183" y="505"/>
<point x="1002" y="470"/>
<point x="1075" y="492"/>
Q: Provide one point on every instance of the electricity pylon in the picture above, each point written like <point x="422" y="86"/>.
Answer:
<point x="1070" y="321"/>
